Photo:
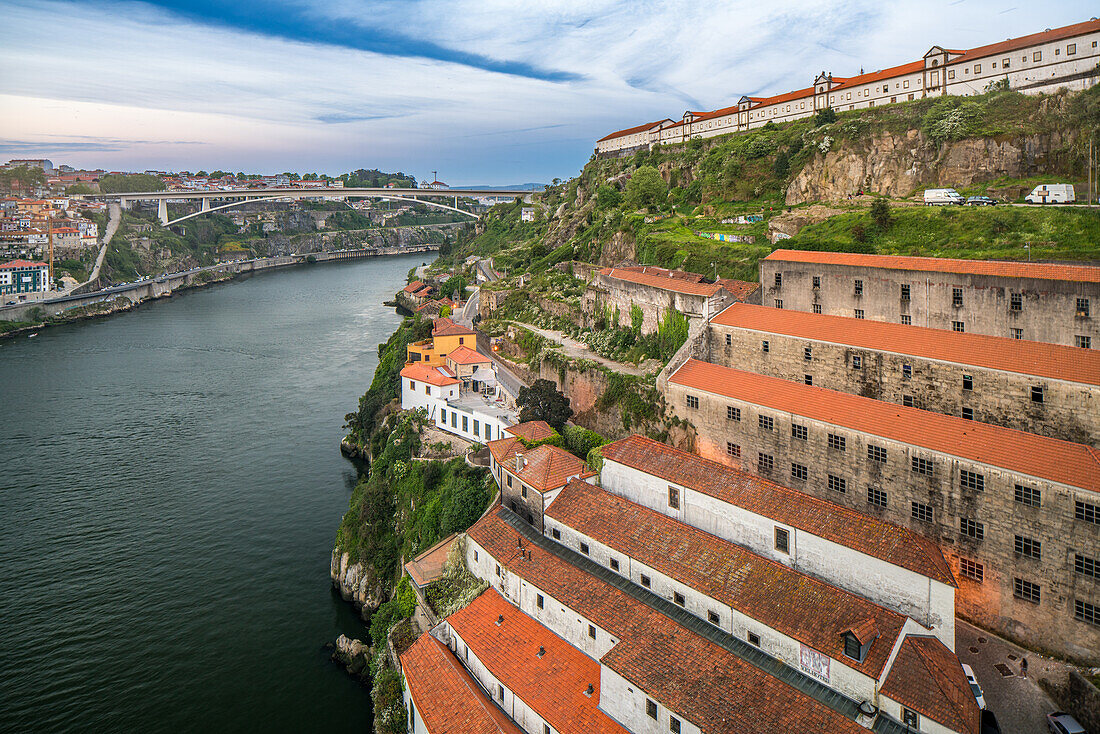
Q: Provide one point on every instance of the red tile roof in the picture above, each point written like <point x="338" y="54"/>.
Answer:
<point x="993" y="352"/>
<point x="877" y="538"/>
<point x="793" y="603"/>
<point x="1072" y="464"/>
<point x="546" y="467"/>
<point x="996" y="268"/>
<point x="927" y="677"/>
<point x="532" y="431"/>
<point x="661" y="280"/>
<point x="11" y="264"/>
<point x="505" y="448"/>
<point x="632" y="130"/>
<point x="1012" y="44"/>
<point x="427" y="568"/>
<point x="552" y="684"/>
<point x="465" y="355"/>
<point x="447" y="697"/>
<point x="785" y="97"/>
<point x="739" y="289"/>
<point x="698" y="680"/>
<point x="413" y="287"/>
<point x="445" y="327"/>
<point x="876" y="76"/>
<point x="438" y="376"/>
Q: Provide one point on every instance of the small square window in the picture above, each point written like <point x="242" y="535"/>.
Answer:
<point x="1036" y="393"/>
<point x="651" y="708"/>
<point x="905" y="292"/>
<point x="921" y="465"/>
<point x="859" y="313"/>
<point x="838" y="484"/>
<point x="968" y="414"/>
<point x="646" y="581"/>
<point x="1083" y="307"/>
<point x="859" y="287"/>
<point x="1086" y="566"/>
<point x="799" y="471"/>
<point x="817" y="281"/>
<point x="754" y="639"/>
<point x="765" y="463"/>
<point x="972" y="570"/>
<point x="958" y="326"/>
<point x="614" y="564"/>
<point x="807" y="353"/>
<point x="733" y="413"/>
<point x="1017" y="333"/>
<point x="808" y="379"/>
<point x="817" y="308"/>
<point x="876" y="497"/>
<point x="674" y="497"/>
<point x="1026" y="590"/>
<point x="968" y="382"/>
<point x="713" y="618"/>
<point x="592" y="631"/>
<point x="1085" y="612"/>
<point x="733" y="449"/>
<point x="778" y="279"/>
<point x="498" y="569"/>
<point x="906" y="320"/>
<point x="836" y="442"/>
<point x="782" y="540"/>
<point x="857" y="362"/>
<point x="766" y="422"/>
<point x="909" y="717"/>
<point x="1071" y="49"/>
<point x="971" y="528"/>
<point x="957" y="297"/>
<point x="556" y="533"/>
<point x="1029" y="496"/>
<point x="540" y="601"/>
<point x="764" y="345"/>
<point x="876" y="453"/>
<point x="971" y="480"/>
<point x="1028" y="548"/>
<point x="1037" y="56"/>
<point x="674" y="725"/>
<point x="798" y="432"/>
<point x="922" y="512"/>
<point x="545" y="729"/>
<point x="500" y="691"/>
<point x="584" y="548"/>
<point x="678" y="598"/>
<point x="523" y="492"/>
<point x="907" y="372"/>
<point x="779" y="303"/>
<point x="729" y="340"/>
<point x="907" y="401"/>
<point x="1086" y="511"/>
<point x="1016" y="302"/>
<point x="1084" y="342"/>
<point x="692" y="401"/>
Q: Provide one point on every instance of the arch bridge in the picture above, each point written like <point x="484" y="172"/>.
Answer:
<point x="242" y="196"/>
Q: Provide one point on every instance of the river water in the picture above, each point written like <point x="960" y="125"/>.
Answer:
<point x="170" y="487"/>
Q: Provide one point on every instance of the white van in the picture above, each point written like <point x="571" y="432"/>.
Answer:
<point x="940" y="197"/>
<point x="1051" y="194"/>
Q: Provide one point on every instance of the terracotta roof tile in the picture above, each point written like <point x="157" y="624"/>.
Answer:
<point x="427" y="568"/>
<point x="465" y="355"/>
<point x="927" y="677"/>
<point x="554" y="684"/>
<point x="445" y="327"/>
<point x="1072" y="464"/>
<point x="1012" y="44"/>
<point x="632" y="130"/>
<point x="532" y="431"/>
<point x="438" y="376"/>
<point x="698" y="680"/>
<point x="22" y="263"/>
<point x="996" y="268"/>
<point x="413" y="287"/>
<point x="739" y="289"/>
<point x="877" y="538"/>
<point x="545" y="468"/>
<point x="785" y="97"/>
<point x="993" y="352"/>
<point x="662" y="280"/>
<point x="447" y="697"/>
<point x="876" y="76"/>
<point x="793" y="603"/>
<point x="505" y="448"/>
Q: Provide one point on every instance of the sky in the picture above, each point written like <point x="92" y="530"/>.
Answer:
<point x="482" y="91"/>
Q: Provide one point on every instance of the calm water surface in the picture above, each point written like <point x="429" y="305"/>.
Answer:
<point x="170" y="487"/>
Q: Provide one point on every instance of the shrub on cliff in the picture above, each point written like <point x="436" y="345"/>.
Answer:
<point x="646" y="189"/>
<point x="400" y="606"/>
<point x="580" y="441"/>
<point x="543" y="402"/>
<point x="386" y="384"/>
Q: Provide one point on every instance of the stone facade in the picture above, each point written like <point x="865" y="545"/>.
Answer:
<point x="1070" y="410"/>
<point x="993" y="533"/>
<point x="621" y="295"/>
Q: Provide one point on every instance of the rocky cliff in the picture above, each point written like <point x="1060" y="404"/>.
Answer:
<point x="285" y="244"/>
<point x="356" y="583"/>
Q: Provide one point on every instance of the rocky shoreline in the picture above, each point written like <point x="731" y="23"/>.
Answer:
<point x="356" y="583"/>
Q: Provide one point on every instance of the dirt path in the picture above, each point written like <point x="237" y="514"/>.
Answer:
<point x="578" y="350"/>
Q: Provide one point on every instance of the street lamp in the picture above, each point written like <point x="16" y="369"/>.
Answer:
<point x="1027" y="246"/>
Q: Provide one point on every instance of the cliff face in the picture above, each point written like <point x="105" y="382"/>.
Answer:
<point x="896" y="165"/>
<point x="285" y="244"/>
<point x="356" y="583"/>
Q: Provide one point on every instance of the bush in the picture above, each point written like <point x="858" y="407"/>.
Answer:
<point x="580" y="441"/>
<point x="646" y="189"/>
<point x="952" y="119"/>
<point x="824" y="117"/>
<point x="880" y="212"/>
<point x="400" y="606"/>
<point x="608" y="197"/>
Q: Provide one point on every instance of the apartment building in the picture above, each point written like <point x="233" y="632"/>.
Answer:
<point x="983" y="378"/>
<point x="530" y="479"/>
<point x="1018" y="300"/>
<point x="24" y="276"/>
<point x="1042" y="62"/>
<point x="454" y="405"/>
<point x="1017" y="514"/>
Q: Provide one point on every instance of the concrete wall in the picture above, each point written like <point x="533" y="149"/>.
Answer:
<point x="991" y="602"/>
<point x="1069" y="411"/>
<point x="476" y="427"/>
<point x="626" y="703"/>
<point x="1048" y="311"/>
<point x="612" y="293"/>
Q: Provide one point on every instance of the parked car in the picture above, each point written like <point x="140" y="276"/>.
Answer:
<point x="989" y="723"/>
<point x="1060" y="722"/>
<point x="941" y="197"/>
<point x="980" y="201"/>
<point x="974" y="687"/>
<point x="1051" y="194"/>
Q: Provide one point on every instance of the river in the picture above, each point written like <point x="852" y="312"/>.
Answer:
<point x="170" y="488"/>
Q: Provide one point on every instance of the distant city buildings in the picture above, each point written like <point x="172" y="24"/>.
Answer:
<point x="23" y="276"/>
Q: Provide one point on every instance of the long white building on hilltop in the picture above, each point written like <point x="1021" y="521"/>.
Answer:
<point x="1057" y="58"/>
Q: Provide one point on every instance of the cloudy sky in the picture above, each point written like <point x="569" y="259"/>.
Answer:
<point x="484" y="91"/>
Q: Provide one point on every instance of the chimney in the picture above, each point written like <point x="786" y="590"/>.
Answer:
<point x="542" y="651"/>
<point x="590" y="690"/>
<point x="500" y="620"/>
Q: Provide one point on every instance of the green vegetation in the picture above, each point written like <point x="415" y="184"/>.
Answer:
<point x="580" y="441"/>
<point x="80" y="188"/>
<point x="373" y="178"/>
<point x="125" y="183"/>
<point x="542" y="401"/>
<point x="23" y="177"/>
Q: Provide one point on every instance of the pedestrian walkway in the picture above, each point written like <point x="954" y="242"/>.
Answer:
<point x="579" y="350"/>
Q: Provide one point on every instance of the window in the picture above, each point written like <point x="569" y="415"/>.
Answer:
<point x="909" y="717"/>
<point x="646" y="581"/>
<point x="977" y="68"/>
<point x="837" y="484"/>
<point x="1082" y="341"/>
<point x="972" y="570"/>
<point x="692" y="401"/>
<point x="1017" y="333"/>
<point x="817" y="308"/>
<point x="1085" y="612"/>
<point x="807" y="353"/>
<point x="1071" y="49"/>
<point x="477" y="426"/>
<point x="1026" y="590"/>
<point x="907" y="401"/>
<point x="817" y="282"/>
<point x="509" y="480"/>
<point x="922" y="512"/>
<point x="584" y="548"/>
<point x="782" y="540"/>
<point x="765" y="463"/>
<point x="729" y="340"/>
<point x="798" y="431"/>
<point x="920" y="465"/>
<point x="906" y="320"/>
<point x="754" y="639"/>
<point x="968" y="382"/>
<point x="1028" y="496"/>
<point x="779" y="303"/>
<point x="443" y="417"/>
<point x="907" y="372"/>
<point x="614" y="564"/>
<point x="859" y="313"/>
<point x="1083" y="307"/>
<point x="540" y="601"/>
<point x="1028" y="548"/>
<point x="427" y="390"/>
<point x="592" y="631"/>
<point x="958" y="326"/>
<point x="951" y="73"/>
<point x="523" y="492"/>
<point x="1006" y="63"/>
<point x="713" y="617"/>
<point x="651" y="708"/>
<point x="857" y="362"/>
<point x="972" y="480"/>
<point x="766" y="422"/>
<point x="876" y="453"/>
<point x="778" y="279"/>
<point x="764" y="346"/>
<point x="500" y="691"/>
<point x="733" y="449"/>
<point x="1085" y="511"/>
<point x="836" y="442"/>
<point x="674" y="725"/>
<point x="905" y="292"/>
<point x="1036" y="393"/>
<point x="971" y="528"/>
<point x="678" y="598"/>
<point x="1037" y="56"/>
<point x="799" y="471"/>
<point x="968" y="414"/>
<point x="1086" y="566"/>
<point x="1016" y="302"/>
<point x="465" y="424"/>
<point x="876" y="497"/>
<point x="498" y="569"/>
<point x="859" y="287"/>
<point x="957" y="297"/>
<point x="733" y="413"/>
<point x="545" y="729"/>
<point x="852" y="647"/>
<point x="674" y="497"/>
<point x="556" y="533"/>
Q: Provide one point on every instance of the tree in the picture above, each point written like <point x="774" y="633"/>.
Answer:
<point x="782" y="165"/>
<point x="824" y="117"/>
<point x="880" y="212"/>
<point x="646" y="188"/>
<point x="129" y="183"/>
<point x="543" y="402"/>
<point x="608" y="197"/>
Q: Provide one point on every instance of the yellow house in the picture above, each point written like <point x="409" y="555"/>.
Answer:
<point x="446" y="337"/>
